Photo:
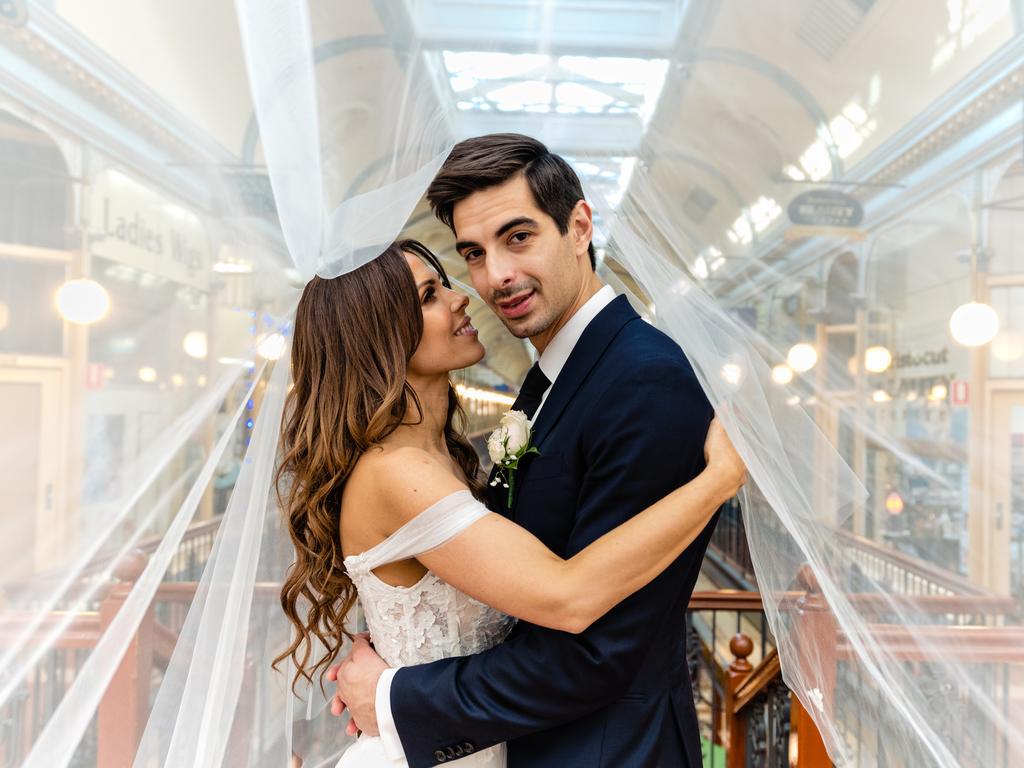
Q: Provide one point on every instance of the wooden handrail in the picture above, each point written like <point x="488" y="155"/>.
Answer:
<point x="147" y="545"/>
<point x="966" y="644"/>
<point x="725" y="600"/>
<point x="868" y="603"/>
<point x="82" y="632"/>
<point x="764" y="673"/>
<point x="185" y="591"/>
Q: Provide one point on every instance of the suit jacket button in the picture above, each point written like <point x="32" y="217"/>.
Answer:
<point x="468" y="747"/>
<point x="439" y="755"/>
<point x="450" y="753"/>
<point x="459" y="752"/>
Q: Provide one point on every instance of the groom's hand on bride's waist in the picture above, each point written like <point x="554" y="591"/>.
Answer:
<point x="356" y="678"/>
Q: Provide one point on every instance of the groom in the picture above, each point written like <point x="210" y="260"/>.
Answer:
<point x="620" y="421"/>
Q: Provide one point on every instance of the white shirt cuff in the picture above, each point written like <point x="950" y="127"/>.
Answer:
<point x="385" y="720"/>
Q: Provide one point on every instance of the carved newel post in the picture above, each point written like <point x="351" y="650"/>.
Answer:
<point x="739" y="670"/>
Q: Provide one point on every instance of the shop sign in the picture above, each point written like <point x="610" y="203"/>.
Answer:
<point x="923" y="359"/>
<point x="137" y="226"/>
<point x="959" y="392"/>
<point x="825" y="208"/>
<point x="825" y="213"/>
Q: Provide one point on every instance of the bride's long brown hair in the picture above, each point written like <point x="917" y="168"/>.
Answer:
<point x="354" y="337"/>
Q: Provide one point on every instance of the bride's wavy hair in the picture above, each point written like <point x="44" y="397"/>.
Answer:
<point x="354" y="337"/>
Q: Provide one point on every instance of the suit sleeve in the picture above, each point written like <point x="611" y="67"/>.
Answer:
<point x="643" y="438"/>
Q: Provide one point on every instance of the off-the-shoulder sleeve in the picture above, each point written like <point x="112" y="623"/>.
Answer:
<point x="434" y="526"/>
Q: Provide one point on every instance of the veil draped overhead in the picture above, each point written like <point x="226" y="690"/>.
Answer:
<point x="687" y="123"/>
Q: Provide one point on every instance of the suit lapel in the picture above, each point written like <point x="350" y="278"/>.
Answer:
<point x="497" y="494"/>
<point x="588" y="350"/>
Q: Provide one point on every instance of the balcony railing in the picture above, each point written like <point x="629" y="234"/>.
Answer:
<point x="899" y="573"/>
<point x="748" y="716"/>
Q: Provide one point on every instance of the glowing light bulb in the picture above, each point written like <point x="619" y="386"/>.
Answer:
<point x="974" y="324"/>
<point x="877" y="359"/>
<point x="82" y="301"/>
<point x="271" y="347"/>
<point x="147" y="374"/>
<point x="732" y="373"/>
<point x="782" y="374"/>
<point x="938" y="392"/>
<point x="178" y="380"/>
<point x="881" y="396"/>
<point x="894" y="503"/>
<point x="194" y="344"/>
<point x="802" y="357"/>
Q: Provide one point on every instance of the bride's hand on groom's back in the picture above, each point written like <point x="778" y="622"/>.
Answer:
<point x="723" y="460"/>
<point x="356" y="678"/>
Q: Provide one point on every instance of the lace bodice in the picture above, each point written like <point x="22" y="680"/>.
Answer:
<point x="430" y="620"/>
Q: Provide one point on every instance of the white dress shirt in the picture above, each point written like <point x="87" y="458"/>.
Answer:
<point x="552" y="361"/>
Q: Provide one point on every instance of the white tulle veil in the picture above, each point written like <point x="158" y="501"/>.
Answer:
<point x="349" y="145"/>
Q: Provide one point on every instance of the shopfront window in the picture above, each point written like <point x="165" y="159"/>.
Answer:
<point x="916" y="394"/>
<point x="34" y="190"/>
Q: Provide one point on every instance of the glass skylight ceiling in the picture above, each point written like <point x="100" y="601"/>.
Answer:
<point x="484" y="81"/>
<point x="608" y="176"/>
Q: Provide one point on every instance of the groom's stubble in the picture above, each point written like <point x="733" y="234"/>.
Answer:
<point x="534" y="258"/>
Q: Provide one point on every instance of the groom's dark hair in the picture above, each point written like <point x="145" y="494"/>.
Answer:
<point x="487" y="161"/>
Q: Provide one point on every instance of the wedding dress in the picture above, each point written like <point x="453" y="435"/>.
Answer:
<point x="428" y="621"/>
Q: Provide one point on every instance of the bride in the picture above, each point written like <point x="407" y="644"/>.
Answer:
<point x="383" y="494"/>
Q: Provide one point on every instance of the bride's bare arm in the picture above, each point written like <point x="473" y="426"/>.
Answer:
<point x="505" y="566"/>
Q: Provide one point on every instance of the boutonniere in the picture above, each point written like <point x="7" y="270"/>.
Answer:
<point x="507" y="445"/>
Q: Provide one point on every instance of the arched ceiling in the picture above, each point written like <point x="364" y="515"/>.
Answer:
<point x="758" y="99"/>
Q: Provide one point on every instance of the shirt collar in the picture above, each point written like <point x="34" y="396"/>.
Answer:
<point x="556" y="354"/>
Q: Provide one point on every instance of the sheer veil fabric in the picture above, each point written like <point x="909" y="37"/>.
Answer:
<point x="349" y="144"/>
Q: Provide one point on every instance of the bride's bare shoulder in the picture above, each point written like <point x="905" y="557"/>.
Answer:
<point x="399" y="482"/>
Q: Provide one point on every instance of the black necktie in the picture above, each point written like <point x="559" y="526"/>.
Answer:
<point x="534" y="387"/>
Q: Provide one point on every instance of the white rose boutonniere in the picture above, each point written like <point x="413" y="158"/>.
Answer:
<point x="507" y="444"/>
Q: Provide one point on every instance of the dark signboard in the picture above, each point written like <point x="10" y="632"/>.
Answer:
<point x="825" y="208"/>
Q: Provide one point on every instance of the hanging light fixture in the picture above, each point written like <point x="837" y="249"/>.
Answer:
<point x="194" y="344"/>
<point x="974" y="324"/>
<point x="82" y="301"/>
<point x="877" y="359"/>
<point x="732" y="373"/>
<point x="782" y="374"/>
<point x="881" y="396"/>
<point x="802" y="357"/>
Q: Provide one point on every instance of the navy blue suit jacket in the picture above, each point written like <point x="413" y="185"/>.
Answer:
<point x="624" y="424"/>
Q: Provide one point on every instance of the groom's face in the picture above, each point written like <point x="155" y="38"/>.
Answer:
<point x="530" y="274"/>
